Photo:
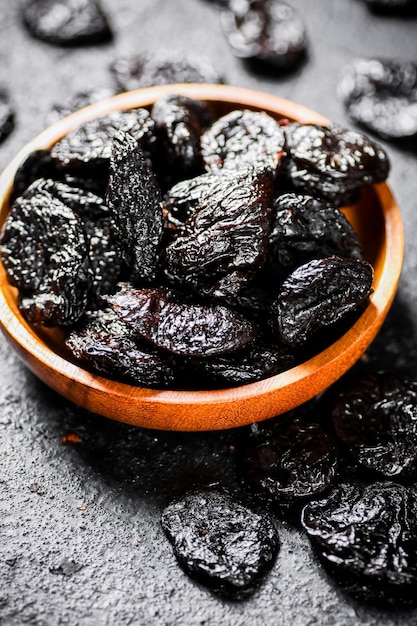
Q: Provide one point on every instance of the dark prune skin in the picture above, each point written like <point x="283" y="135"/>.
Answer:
<point x="183" y="328"/>
<point x="306" y="228"/>
<point x="290" y="459"/>
<point x="223" y="243"/>
<point x="266" y="31"/>
<point x="317" y="295"/>
<point x="135" y="203"/>
<point x="365" y="536"/>
<point x="381" y="96"/>
<point x="67" y="22"/>
<point x="37" y="164"/>
<point x="331" y="161"/>
<point x="375" y="420"/>
<point x="45" y="254"/>
<point x="242" y="139"/>
<point x="103" y="343"/>
<point x="221" y="543"/>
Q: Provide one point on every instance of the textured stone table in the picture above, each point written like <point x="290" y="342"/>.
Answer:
<point x="80" y="537"/>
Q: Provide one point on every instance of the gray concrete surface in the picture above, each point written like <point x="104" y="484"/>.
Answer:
<point x="80" y="538"/>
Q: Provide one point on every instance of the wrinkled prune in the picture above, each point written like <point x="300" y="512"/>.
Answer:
<point x="366" y="537"/>
<point x="291" y="459"/>
<point x="381" y="95"/>
<point x="243" y="139"/>
<point x="318" y="294"/>
<point x="223" y="243"/>
<point x="67" y="22"/>
<point x="135" y="202"/>
<point x="45" y="253"/>
<point x="162" y="67"/>
<point x="306" y="228"/>
<point x="220" y="542"/>
<point x="375" y="418"/>
<point x="266" y="31"/>
<point x="108" y="346"/>
<point x="331" y="161"/>
<point x="183" y="328"/>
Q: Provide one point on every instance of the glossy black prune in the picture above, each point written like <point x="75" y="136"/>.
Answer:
<point x="135" y="203"/>
<point x="267" y="31"/>
<point x="375" y="419"/>
<point x="183" y="328"/>
<point x="366" y="537"/>
<point x="221" y="543"/>
<point x="108" y="346"/>
<point x="67" y="22"/>
<point x="381" y="95"/>
<point x="306" y="228"/>
<point x="243" y="138"/>
<point x="331" y="161"/>
<point x="290" y="459"/>
<point x="317" y="295"/>
<point x="223" y="242"/>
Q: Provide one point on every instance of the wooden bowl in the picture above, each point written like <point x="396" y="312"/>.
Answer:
<point x="376" y="218"/>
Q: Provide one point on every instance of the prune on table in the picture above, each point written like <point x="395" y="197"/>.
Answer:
<point x="306" y="228"/>
<point x="331" y="161"/>
<point x="290" y="459"/>
<point x="266" y="31"/>
<point x="375" y="419"/>
<point x="78" y="101"/>
<point x="317" y="295"/>
<point x="366" y="537"/>
<point x="381" y="95"/>
<point x="221" y="543"/>
<point x="162" y="67"/>
<point x="162" y="318"/>
<point x="45" y="254"/>
<point x="67" y="22"/>
<point x="135" y="203"/>
<point x="223" y="242"/>
<point x="7" y="116"/>
<point x="105" y="344"/>
<point x="243" y="138"/>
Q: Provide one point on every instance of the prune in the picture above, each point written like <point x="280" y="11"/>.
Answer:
<point x="162" y="67"/>
<point x="267" y="31"/>
<point x="37" y="164"/>
<point x="318" y="294"/>
<point x="78" y="101"/>
<point x="7" y="116"/>
<point x="223" y="243"/>
<point x="135" y="203"/>
<point x="393" y="7"/>
<point x="183" y="328"/>
<point x="305" y="228"/>
<point x="375" y="418"/>
<point x="45" y="254"/>
<point x="221" y="543"/>
<point x="67" y="22"/>
<point x="291" y="459"/>
<point x="381" y="95"/>
<point x="331" y="161"/>
<point x="243" y="139"/>
<point x="366" y="537"/>
<point x="108" y="346"/>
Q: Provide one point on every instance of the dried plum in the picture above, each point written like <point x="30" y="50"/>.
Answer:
<point x="67" y="22"/>
<point x="37" y="164"/>
<point x="108" y="346"/>
<point x="331" y="161"/>
<point x="183" y="328"/>
<point x="381" y="95"/>
<point x="366" y="537"/>
<point x="375" y="418"/>
<point x="221" y="543"/>
<point x="78" y="101"/>
<point x="135" y="203"/>
<point x="291" y="459"/>
<point x="267" y="31"/>
<point x="319" y="294"/>
<point x="223" y="243"/>
<point x="243" y="138"/>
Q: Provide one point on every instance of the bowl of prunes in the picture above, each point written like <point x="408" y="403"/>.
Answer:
<point x="194" y="256"/>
